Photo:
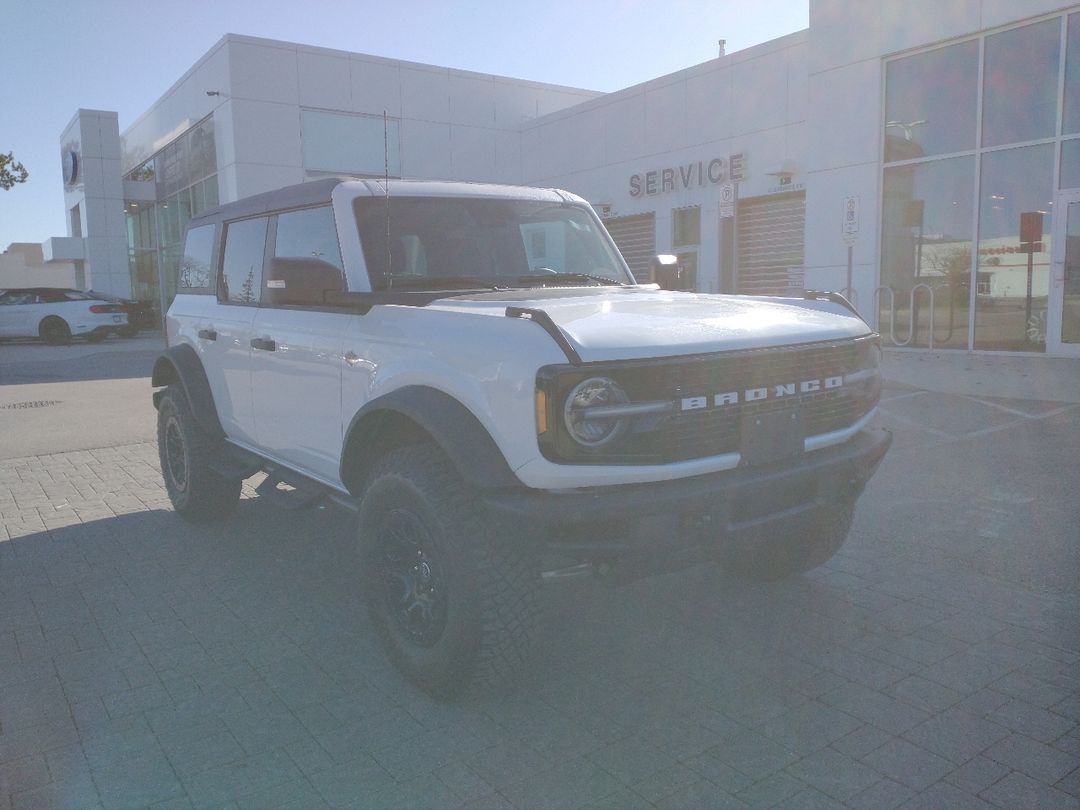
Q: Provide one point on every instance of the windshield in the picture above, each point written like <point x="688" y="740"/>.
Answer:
<point x="454" y="242"/>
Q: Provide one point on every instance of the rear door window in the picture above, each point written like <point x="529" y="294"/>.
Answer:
<point x="242" y="263"/>
<point x="197" y="261"/>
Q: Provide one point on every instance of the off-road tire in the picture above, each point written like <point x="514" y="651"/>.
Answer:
<point x="486" y="572"/>
<point x="55" y="331"/>
<point x="198" y="492"/>
<point x="770" y="556"/>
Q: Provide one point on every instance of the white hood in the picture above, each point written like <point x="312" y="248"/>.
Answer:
<point x="634" y="323"/>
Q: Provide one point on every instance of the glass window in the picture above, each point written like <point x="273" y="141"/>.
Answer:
<point x="307" y="263"/>
<point x="241" y="268"/>
<point x="1020" y="84"/>
<point x="1070" y="123"/>
<point x="438" y="243"/>
<point x="309" y="233"/>
<point x="1070" y="163"/>
<point x="1070" y="313"/>
<point x="1011" y="312"/>
<point x="930" y="102"/>
<point x="686" y="226"/>
<point x="926" y="240"/>
<point x="196" y="262"/>
<point x="337" y="143"/>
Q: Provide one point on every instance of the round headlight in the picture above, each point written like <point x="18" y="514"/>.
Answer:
<point x="585" y="425"/>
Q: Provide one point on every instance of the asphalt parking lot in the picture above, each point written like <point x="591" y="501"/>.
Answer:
<point x="934" y="663"/>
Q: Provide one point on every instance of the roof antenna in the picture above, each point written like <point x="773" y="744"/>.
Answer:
<point x="386" y="194"/>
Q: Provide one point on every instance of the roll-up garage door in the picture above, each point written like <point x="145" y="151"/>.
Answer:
<point x="636" y="239"/>
<point x="771" y="237"/>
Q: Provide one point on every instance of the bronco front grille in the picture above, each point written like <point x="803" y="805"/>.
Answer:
<point x="711" y="429"/>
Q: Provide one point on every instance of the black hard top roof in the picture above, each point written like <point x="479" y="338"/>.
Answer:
<point x="298" y="196"/>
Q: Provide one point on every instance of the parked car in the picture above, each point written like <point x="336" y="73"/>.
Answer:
<point x="57" y="315"/>
<point x="142" y="315"/>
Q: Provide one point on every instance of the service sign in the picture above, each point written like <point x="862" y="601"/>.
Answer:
<point x="695" y="174"/>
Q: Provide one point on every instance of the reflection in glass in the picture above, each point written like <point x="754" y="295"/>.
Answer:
<point x="242" y="264"/>
<point x="1012" y="283"/>
<point x="1070" y="164"/>
<point x="340" y="143"/>
<point x="686" y="226"/>
<point x="1070" y="314"/>
<point x="1020" y="84"/>
<point x="930" y="102"/>
<point x="1070" y="122"/>
<point x="308" y="233"/>
<point x="926" y="240"/>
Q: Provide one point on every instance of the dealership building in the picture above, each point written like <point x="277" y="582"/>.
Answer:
<point x="925" y="165"/>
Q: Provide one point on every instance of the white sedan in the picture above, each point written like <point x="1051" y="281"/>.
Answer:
<point x="58" y="315"/>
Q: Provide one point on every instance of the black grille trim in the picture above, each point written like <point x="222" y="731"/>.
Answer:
<point x="686" y="435"/>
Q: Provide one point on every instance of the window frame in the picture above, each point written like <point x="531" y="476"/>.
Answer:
<point x="270" y="253"/>
<point x="225" y="225"/>
<point x="210" y="288"/>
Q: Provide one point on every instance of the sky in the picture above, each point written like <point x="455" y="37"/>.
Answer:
<point x="122" y="55"/>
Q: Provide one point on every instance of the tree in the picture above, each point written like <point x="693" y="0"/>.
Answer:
<point x="11" y="171"/>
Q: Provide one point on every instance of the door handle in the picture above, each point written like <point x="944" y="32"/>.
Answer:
<point x="207" y="334"/>
<point x="266" y="344"/>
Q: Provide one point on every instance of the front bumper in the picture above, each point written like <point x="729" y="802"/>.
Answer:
<point x="650" y="518"/>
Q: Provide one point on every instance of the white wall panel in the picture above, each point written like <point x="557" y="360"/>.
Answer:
<point x="472" y="100"/>
<point x="376" y="87"/>
<point x="709" y="115"/>
<point x="760" y="93"/>
<point x="842" y="32"/>
<point x="425" y="94"/>
<point x="263" y="72"/>
<point x="323" y="80"/>
<point x="265" y="132"/>
<point x="665" y="117"/>
<point x="255" y="178"/>
<point x="426" y="149"/>
<point x="507" y="157"/>
<point x="624" y="128"/>
<point x="902" y="30"/>
<point x="1002" y="12"/>
<point x="845" y="125"/>
<point x="472" y="153"/>
<point x="798" y="85"/>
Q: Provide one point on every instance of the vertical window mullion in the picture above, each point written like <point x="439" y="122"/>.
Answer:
<point x="973" y="279"/>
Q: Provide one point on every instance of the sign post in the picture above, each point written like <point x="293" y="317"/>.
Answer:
<point x="727" y="200"/>
<point x="850" y="230"/>
<point x="1031" y="229"/>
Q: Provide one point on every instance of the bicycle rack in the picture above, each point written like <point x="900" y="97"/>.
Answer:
<point x="912" y="325"/>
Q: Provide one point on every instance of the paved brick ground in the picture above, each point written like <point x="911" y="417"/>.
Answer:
<point x="934" y="663"/>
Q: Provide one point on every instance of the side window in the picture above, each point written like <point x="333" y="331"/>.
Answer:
<point x="306" y="262"/>
<point x="197" y="260"/>
<point x="242" y="263"/>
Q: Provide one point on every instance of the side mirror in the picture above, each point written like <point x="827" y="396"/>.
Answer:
<point x="665" y="271"/>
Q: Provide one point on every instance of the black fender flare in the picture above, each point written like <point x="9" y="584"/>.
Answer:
<point x="181" y="365"/>
<point x="452" y="426"/>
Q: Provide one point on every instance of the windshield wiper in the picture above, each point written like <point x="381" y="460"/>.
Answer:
<point x="434" y="283"/>
<point x="561" y="276"/>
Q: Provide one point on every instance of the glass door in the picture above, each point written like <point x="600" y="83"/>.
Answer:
<point x="1063" y="317"/>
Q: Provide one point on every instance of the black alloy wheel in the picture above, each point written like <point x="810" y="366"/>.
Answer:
<point x="414" y="582"/>
<point x="176" y="462"/>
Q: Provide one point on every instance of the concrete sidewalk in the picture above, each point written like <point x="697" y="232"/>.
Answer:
<point x="1048" y="379"/>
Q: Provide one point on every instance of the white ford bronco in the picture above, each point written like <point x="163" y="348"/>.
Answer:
<point x="474" y="369"/>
